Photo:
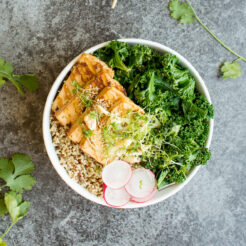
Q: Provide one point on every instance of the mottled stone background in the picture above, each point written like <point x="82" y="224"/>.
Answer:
<point x="42" y="36"/>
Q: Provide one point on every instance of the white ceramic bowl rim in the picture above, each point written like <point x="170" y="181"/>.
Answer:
<point x="161" y="195"/>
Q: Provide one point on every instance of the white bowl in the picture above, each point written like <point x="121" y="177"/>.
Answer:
<point x="161" y="195"/>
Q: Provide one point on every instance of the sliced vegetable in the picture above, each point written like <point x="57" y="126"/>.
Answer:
<point x="116" y="174"/>
<point x="145" y="199"/>
<point x="141" y="183"/>
<point x="116" y="198"/>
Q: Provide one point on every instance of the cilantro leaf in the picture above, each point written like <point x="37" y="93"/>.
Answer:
<point x="231" y="70"/>
<point x="29" y="81"/>
<point x="181" y="11"/>
<point x="3" y="209"/>
<point x="15" y="206"/>
<point x="16" y="172"/>
<point x="2" y="243"/>
<point x="2" y="81"/>
<point x="6" y="66"/>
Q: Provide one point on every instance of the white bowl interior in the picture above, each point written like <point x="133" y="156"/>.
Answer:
<point x="161" y="195"/>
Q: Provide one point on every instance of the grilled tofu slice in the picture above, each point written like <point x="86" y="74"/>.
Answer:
<point x="65" y="93"/>
<point x="75" y="133"/>
<point x="93" y="65"/>
<point x="91" y="117"/>
<point x="109" y="95"/>
<point x="86" y="69"/>
<point x="94" y="146"/>
<point x="70" y="111"/>
<point x="93" y="86"/>
<point x="104" y="80"/>
<point x="123" y="105"/>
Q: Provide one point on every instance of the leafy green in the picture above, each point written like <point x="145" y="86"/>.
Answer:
<point x="118" y="62"/>
<point x="115" y="55"/>
<point x="179" y="78"/>
<point x="16" y="172"/>
<point x="148" y="93"/>
<point x="3" y="209"/>
<point x="29" y="81"/>
<point x="181" y="11"/>
<point x="231" y="70"/>
<point x="173" y="132"/>
<point x="140" y="54"/>
<point x="15" y="206"/>
<point x="185" y="13"/>
<point x="2" y="243"/>
<point x="161" y="179"/>
<point x="87" y="133"/>
<point x="94" y="115"/>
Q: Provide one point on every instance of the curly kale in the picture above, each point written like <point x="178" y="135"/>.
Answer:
<point x="165" y="89"/>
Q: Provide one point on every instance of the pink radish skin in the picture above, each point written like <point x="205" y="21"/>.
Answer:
<point x="116" y="174"/>
<point x="116" y="198"/>
<point x="145" y="199"/>
<point x="141" y="183"/>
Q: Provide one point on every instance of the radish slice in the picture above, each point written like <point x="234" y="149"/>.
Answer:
<point x="116" y="174"/>
<point x="116" y="198"/>
<point x="145" y="199"/>
<point x="141" y="183"/>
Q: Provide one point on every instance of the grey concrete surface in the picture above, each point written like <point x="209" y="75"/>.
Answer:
<point x="42" y="36"/>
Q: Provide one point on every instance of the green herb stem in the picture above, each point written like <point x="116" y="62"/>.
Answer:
<point x="213" y="35"/>
<point x="7" y="230"/>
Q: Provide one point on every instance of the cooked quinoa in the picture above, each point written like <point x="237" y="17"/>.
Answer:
<point x="79" y="166"/>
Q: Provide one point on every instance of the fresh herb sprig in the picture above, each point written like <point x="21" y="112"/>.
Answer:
<point x="87" y="133"/>
<point x="83" y="94"/>
<point x="185" y="13"/>
<point x="126" y="136"/>
<point x="15" y="173"/>
<point x="29" y="81"/>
